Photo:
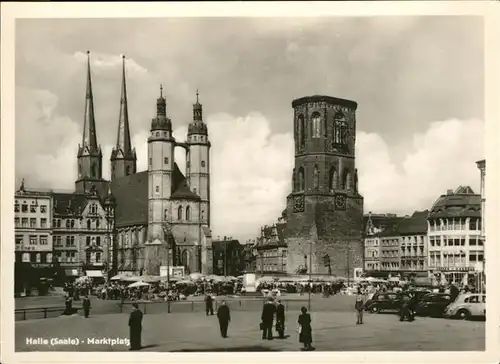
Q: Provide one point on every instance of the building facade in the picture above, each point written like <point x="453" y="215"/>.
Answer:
<point x="324" y="214"/>
<point x="375" y="225"/>
<point x="271" y="250"/>
<point x="389" y="250"/>
<point x="454" y="232"/>
<point x="228" y="257"/>
<point x="33" y="227"/>
<point x="412" y="231"/>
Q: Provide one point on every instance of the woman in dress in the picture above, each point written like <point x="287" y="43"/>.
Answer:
<point x="305" y="329"/>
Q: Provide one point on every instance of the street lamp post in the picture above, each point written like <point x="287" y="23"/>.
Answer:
<point x="167" y="232"/>
<point x="225" y="257"/>
<point x="310" y="277"/>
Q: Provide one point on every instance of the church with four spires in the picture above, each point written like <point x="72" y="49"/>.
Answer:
<point x="151" y="219"/>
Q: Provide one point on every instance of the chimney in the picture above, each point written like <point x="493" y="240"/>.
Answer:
<point x="449" y="192"/>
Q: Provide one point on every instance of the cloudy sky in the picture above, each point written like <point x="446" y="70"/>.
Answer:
<point x="418" y="81"/>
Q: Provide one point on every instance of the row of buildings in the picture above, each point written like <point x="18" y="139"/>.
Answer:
<point x="75" y="234"/>
<point x="448" y="238"/>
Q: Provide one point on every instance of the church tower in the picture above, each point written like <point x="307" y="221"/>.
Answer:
<point x="89" y="158"/>
<point x="161" y="144"/>
<point x="325" y="210"/>
<point x="123" y="157"/>
<point x="198" y="161"/>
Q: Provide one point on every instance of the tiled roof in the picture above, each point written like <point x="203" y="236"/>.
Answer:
<point x="131" y="195"/>
<point x="69" y="204"/>
<point x="180" y="188"/>
<point x="383" y="222"/>
<point x="416" y="224"/>
<point x="463" y="202"/>
<point x="390" y="227"/>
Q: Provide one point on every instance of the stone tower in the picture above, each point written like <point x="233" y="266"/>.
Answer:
<point x="89" y="158"/>
<point x="325" y="209"/>
<point x="161" y="144"/>
<point x="123" y="157"/>
<point x="198" y="161"/>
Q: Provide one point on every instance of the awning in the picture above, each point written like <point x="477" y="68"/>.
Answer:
<point x="72" y="272"/>
<point x="94" y="273"/>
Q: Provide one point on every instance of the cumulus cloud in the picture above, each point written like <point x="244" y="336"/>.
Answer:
<point x="106" y="62"/>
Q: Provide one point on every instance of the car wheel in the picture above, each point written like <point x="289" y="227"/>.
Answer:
<point x="374" y="309"/>
<point x="463" y="314"/>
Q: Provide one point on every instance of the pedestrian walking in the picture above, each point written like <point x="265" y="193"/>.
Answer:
<point x="135" y="326"/>
<point x="280" y="320"/>
<point x="209" y="304"/>
<point x="359" y="306"/>
<point x="267" y="318"/>
<point x="405" y="309"/>
<point x="305" y="329"/>
<point x="224" y="316"/>
<point x="86" y="306"/>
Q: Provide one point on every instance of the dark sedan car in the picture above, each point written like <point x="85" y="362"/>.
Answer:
<point x="433" y="304"/>
<point x="384" y="302"/>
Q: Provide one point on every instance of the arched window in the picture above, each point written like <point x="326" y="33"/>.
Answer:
<point x="316" y="177"/>
<point x="89" y="224"/>
<point x="202" y="215"/>
<point x="316" y="125"/>
<point x="185" y="259"/>
<point x="339" y="129"/>
<point x="334" y="179"/>
<point x="188" y="213"/>
<point x="79" y="169"/>
<point x="97" y="224"/>
<point x="347" y="180"/>
<point x="68" y="222"/>
<point x="127" y="172"/>
<point x="301" y="131"/>
<point x="179" y="213"/>
<point x="92" y="170"/>
<point x="300" y="179"/>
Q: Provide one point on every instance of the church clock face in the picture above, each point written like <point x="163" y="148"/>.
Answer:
<point x="298" y="203"/>
<point x="340" y="202"/>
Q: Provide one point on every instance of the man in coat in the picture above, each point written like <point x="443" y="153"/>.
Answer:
<point x="280" y="319"/>
<point x="135" y="325"/>
<point x="359" y="306"/>
<point x="267" y="318"/>
<point x="86" y="306"/>
<point x="224" y="317"/>
<point x="209" y="304"/>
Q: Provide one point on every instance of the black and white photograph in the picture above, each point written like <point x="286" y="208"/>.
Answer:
<point x="249" y="184"/>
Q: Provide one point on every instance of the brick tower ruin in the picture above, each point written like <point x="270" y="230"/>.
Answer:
<point x="324" y="210"/>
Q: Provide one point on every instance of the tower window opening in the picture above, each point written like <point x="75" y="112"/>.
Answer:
<point x="316" y="177"/>
<point x="157" y="189"/>
<point x="127" y="172"/>
<point x="340" y="129"/>
<point x="165" y="160"/>
<point x="300" y="179"/>
<point x="179" y="213"/>
<point x="301" y="131"/>
<point x="188" y="213"/>
<point x="347" y="180"/>
<point x="93" y="170"/>
<point x="203" y="163"/>
<point x="333" y="178"/>
<point x="150" y="161"/>
<point x="316" y="125"/>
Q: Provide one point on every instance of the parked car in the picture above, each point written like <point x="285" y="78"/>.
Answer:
<point x="433" y="304"/>
<point x="467" y="306"/>
<point x="388" y="301"/>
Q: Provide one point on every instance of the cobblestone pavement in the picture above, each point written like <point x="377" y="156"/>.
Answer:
<point x="184" y="332"/>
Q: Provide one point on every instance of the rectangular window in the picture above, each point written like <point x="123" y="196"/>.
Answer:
<point x="16" y="207"/>
<point x="33" y="240"/>
<point x="24" y="222"/>
<point x="68" y="241"/>
<point x="43" y="209"/>
<point x="97" y="257"/>
<point x="32" y="208"/>
<point x="17" y="222"/>
<point x="88" y="240"/>
<point x="24" y="208"/>
<point x="43" y="240"/>
<point x="33" y="223"/>
<point x="43" y="223"/>
<point x="472" y="241"/>
<point x="19" y="239"/>
<point x="98" y="241"/>
<point x="88" y="257"/>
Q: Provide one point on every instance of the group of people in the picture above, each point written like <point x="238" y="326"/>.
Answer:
<point x="271" y="311"/>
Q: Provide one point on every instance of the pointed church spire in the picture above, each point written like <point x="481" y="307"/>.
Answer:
<point x="123" y="140"/>
<point x="197" y="109"/>
<point x="89" y="130"/>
